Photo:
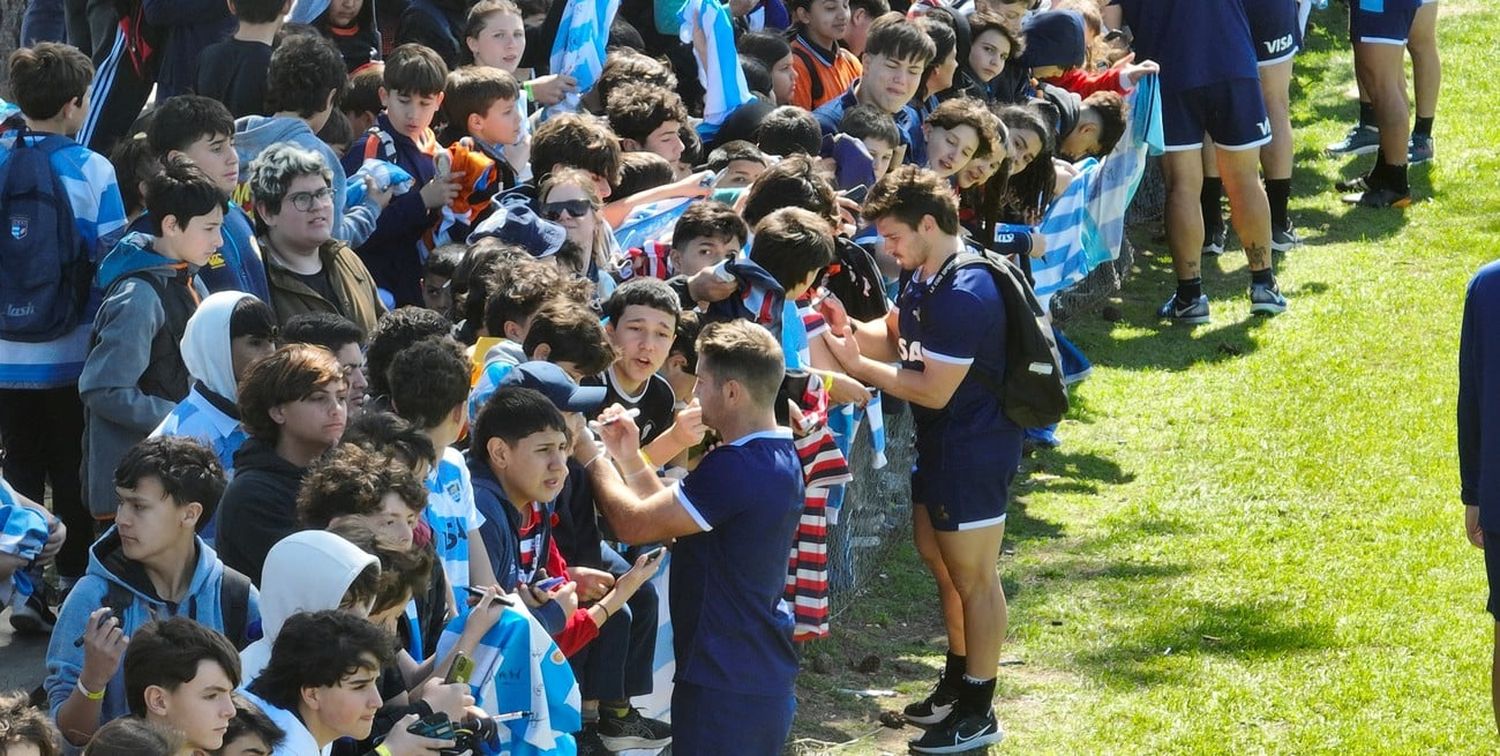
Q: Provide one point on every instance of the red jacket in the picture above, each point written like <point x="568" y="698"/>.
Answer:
<point x="1083" y="83"/>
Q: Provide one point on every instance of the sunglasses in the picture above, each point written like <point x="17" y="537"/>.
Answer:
<point x="576" y="208"/>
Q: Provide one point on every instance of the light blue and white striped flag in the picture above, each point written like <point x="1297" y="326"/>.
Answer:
<point x="1086" y="224"/>
<point x="706" y="25"/>
<point x="579" y="49"/>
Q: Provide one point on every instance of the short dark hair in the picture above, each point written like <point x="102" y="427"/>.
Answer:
<point x="870" y="7"/>
<point x="646" y="292"/>
<point x="363" y="93"/>
<point x="757" y="75"/>
<point x="575" y="141"/>
<point x="517" y="291"/>
<point x="257" y="11"/>
<point x="250" y="720"/>
<point x="892" y="37"/>
<point x="635" y="110"/>
<point x="937" y="24"/>
<point x="910" y="192"/>
<point x="325" y="329"/>
<point x="390" y="434"/>
<point x="48" y="76"/>
<point x="133" y="736"/>
<point x="252" y="317"/>
<point x="792" y="243"/>
<point x="685" y="342"/>
<point x="472" y="90"/>
<point x="181" y="191"/>
<point x="444" y="260"/>
<point x="187" y="470"/>
<point x="711" y="220"/>
<point x="336" y="130"/>
<point x="23" y="724"/>
<point x="1111" y="109"/>
<point x="573" y="333"/>
<point x="737" y="149"/>
<point x="414" y="69"/>
<point x="745" y="352"/>
<point x="166" y="653"/>
<point x="290" y="373"/>
<point x="184" y="119"/>
<point x="793" y="182"/>
<point x="397" y="330"/>
<point x="469" y="283"/>
<point x="642" y="170"/>
<point x="766" y="47"/>
<point x="967" y="111"/>
<point x="304" y="69"/>
<point x="318" y="649"/>
<point x="134" y="162"/>
<point x="623" y="65"/>
<point x="352" y="481"/>
<point x="789" y="130"/>
<point x="428" y="380"/>
<point x="870" y="122"/>
<point x="404" y="571"/>
<point x="511" y="414"/>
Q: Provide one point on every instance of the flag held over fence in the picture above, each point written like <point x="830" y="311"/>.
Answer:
<point x="1085" y="226"/>
<point x="706" y="24"/>
<point x="579" y="49"/>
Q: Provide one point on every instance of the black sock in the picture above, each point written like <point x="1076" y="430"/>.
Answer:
<point x="953" y="670"/>
<point x="1189" y="289"/>
<point x="1423" y="127"/>
<point x="1211" y="198"/>
<point x="1367" y="114"/>
<point x="1390" y="176"/>
<point x="978" y="696"/>
<point x="1265" y="277"/>
<point x="1279" y="192"/>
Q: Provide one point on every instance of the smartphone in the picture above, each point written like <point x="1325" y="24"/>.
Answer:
<point x="548" y="584"/>
<point x="444" y="162"/>
<point x="858" y="193"/>
<point x="461" y="670"/>
<point x="656" y="553"/>
<point x="435" y="725"/>
<point x="480" y="593"/>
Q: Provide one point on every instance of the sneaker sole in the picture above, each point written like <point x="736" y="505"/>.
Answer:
<point x="1195" y="320"/>
<point x="964" y="747"/>
<point x="1284" y="246"/>
<point x="1213" y="251"/>
<point x="1266" y="308"/>
<point x="632" y="742"/>
<point x="27" y="624"/>
<point x="937" y="715"/>
<point x="1357" y="151"/>
<point x="1354" y="199"/>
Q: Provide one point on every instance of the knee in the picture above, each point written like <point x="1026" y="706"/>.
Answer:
<point x="974" y="582"/>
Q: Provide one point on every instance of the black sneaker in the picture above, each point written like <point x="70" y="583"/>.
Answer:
<point x="1379" y="196"/>
<point x="1356" y="184"/>
<point x="960" y="733"/>
<point x="632" y="731"/>
<point x="1214" y="240"/>
<point x="934" y="708"/>
<point x="32" y="617"/>
<point x="588" y="741"/>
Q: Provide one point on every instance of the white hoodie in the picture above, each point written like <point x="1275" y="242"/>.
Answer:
<point x="205" y="343"/>
<point x="308" y="571"/>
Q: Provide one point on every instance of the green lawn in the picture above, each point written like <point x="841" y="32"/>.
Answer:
<point x="1250" y="541"/>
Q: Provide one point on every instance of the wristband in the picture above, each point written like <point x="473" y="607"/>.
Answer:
<point x="91" y="696"/>
<point x="647" y="459"/>
<point x="828" y="383"/>
<point x="529" y="95"/>
<point x="382" y="750"/>
<point x="592" y="460"/>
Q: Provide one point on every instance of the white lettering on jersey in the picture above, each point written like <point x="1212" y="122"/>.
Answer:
<point x="909" y="352"/>
<point x="1279" y="45"/>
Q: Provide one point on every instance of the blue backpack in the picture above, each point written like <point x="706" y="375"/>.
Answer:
<point x="45" y="272"/>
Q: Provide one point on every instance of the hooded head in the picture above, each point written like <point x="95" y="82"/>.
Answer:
<point x="224" y="336"/>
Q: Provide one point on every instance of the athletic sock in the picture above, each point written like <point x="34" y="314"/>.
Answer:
<point x="1279" y="192"/>
<point x="1189" y="289"/>
<point x="1423" y="127"/>
<point x="978" y="696"/>
<point x="1265" y="277"/>
<point x="1210" y="198"/>
<point x="953" y="671"/>
<point x="614" y="709"/>
<point x="1367" y="114"/>
<point x="1388" y="176"/>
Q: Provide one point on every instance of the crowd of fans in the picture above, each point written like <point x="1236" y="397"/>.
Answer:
<point x="370" y="421"/>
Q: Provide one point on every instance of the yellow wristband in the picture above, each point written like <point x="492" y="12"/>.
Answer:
<point x="647" y="459"/>
<point x="382" y="750"/>
<point x="828" y="382"/>
<point x="91" y="695"/>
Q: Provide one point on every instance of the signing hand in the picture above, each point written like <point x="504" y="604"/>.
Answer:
<point x="619" y="433"/>
<point x="688" y="428"/>
<point x="104" y="645"/>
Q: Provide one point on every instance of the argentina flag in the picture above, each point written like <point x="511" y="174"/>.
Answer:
<point x="580" y="46"/>
<point x="1085" y="225"/>
<point x="706" y="24"/>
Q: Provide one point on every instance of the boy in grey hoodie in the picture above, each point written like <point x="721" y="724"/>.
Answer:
<point x="134" y="373"/>
<point x="151" y="564"/>
<point x="302" y="87"/>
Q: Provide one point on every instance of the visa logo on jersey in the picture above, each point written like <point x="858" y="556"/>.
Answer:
<point x="1277" y="46"/>
<point x="911" y="352"/>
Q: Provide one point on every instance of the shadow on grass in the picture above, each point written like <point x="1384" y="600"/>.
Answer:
<point x="1198" y="628"/>
<point x="1059" y="471"/>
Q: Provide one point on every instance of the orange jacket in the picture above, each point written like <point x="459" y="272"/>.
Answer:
<point x="819" y="77"/>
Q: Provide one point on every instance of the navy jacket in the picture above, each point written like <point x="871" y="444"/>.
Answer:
<point x="1479" y="397"/>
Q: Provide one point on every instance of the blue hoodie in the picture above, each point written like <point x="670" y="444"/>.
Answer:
<point x="119" y="411"/>
<point x="238" y="265"/>
<point x="108" y="566"/>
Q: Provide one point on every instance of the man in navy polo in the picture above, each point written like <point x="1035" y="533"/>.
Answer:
<point x="734" y="518"/>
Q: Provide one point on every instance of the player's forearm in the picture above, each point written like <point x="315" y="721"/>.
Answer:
<point x="875" y="340"/>
<point x="911" y="385"/>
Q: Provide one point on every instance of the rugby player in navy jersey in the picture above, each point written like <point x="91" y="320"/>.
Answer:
<point x="733" y="517"/>
<point x="1209" y="84"/>
<point x="948" y="329"/>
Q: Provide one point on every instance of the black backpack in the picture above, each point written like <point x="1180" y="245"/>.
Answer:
<point x="1031" y="392"/>
<point x="234" y="606"/>
<point x="45" y="271"/>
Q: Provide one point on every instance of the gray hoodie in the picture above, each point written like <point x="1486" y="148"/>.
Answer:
<point x="254" y="133"/>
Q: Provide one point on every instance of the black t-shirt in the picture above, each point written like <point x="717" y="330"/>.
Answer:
<point x="656" y="402"/>
<point x="234" y="73"/>
<point x="319" y="283"/>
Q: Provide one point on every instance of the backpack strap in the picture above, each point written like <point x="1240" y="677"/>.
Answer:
<point x="234" y="607"/>
<point x="815" y="82"/>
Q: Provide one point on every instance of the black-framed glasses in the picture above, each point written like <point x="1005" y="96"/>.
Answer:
<point x="576" y="208"/>
<point x="306" y="201"/>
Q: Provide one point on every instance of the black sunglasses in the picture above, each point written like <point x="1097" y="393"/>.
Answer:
<point x="576" y="208"/>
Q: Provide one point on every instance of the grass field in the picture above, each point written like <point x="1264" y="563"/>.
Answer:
<point x="1250" y="541"/>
